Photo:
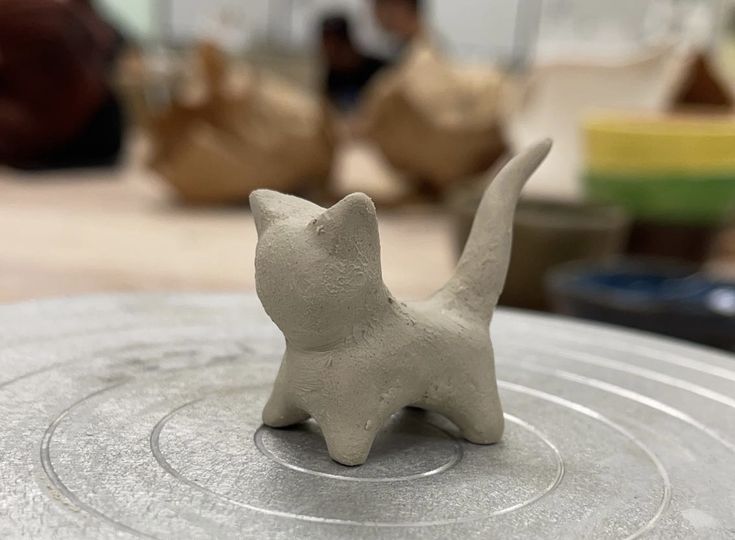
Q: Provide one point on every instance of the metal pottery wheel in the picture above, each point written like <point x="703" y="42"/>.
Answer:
<point x="128" y="415"/>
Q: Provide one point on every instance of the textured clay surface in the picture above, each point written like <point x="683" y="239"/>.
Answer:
<point x="355" y="354"/>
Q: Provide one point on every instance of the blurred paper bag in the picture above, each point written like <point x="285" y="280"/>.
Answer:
<point x="435" y="121"/>
<point x="254" y="132"/>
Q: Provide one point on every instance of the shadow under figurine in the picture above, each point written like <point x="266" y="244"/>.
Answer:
<point x="356" y="355"/>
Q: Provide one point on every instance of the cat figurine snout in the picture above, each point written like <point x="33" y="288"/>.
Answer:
<point x="355" y="355"/>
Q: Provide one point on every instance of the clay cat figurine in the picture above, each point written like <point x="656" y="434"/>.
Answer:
<point x="355" y="354"/>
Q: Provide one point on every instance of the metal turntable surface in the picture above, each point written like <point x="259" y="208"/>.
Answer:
<point x="138" y="416"/>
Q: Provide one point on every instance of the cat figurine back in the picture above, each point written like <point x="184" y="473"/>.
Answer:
<point x="355" y="355"/>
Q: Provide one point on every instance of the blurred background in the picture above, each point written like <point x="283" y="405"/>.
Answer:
<point x="133" y="131"/>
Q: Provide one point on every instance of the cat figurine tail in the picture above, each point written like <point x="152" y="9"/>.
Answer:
<point x="478" y="280"/>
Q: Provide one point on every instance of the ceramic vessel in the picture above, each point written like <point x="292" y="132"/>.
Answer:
<point x="547" y="233"/>
<point x="656" y="295"/>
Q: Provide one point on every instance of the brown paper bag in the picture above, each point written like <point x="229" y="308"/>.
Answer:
<point x="256" y="133"/>
<point x="434" y="121"/>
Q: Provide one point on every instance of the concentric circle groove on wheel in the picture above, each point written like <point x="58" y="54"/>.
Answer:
<point x="164" y="463"/>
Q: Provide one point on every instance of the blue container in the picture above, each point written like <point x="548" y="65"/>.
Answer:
<point x="657" y="296"/>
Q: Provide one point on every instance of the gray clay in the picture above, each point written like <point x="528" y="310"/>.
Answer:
<point x="355" y="354"/>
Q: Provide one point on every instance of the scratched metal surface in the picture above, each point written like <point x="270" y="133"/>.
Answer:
<point x="137" y="416"/>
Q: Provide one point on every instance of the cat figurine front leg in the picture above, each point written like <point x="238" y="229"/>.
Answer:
<point x="356" y="355"/>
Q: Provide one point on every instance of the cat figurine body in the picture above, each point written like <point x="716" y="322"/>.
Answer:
<point x="355" y="354"/>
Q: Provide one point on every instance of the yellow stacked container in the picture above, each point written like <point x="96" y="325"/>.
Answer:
<point x="676" y="169"/>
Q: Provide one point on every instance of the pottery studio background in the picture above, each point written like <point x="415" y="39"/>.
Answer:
<point x="132" y="132"/>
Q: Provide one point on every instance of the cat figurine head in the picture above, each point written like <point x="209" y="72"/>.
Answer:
<point x="317" y="270"/>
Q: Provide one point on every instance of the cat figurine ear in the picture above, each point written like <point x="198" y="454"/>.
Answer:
<point x="270" y="206"/>
<point x="267" y="207"/>
<point x="350" y="226"/>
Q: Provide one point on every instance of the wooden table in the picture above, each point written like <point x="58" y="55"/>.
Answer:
<point x="82" y="232"/>
<point x="105" y="231"/>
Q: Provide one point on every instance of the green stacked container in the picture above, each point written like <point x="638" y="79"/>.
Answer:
<point x="669" y="169"/>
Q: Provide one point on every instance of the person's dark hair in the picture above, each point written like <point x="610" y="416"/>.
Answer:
<point x="416" y="5"/>
<point x="336" y="24"/>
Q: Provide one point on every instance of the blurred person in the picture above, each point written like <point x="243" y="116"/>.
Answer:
<point x="403" y="19"/>
<point x="56" y="107"/>
<point x="347" y="70"/>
